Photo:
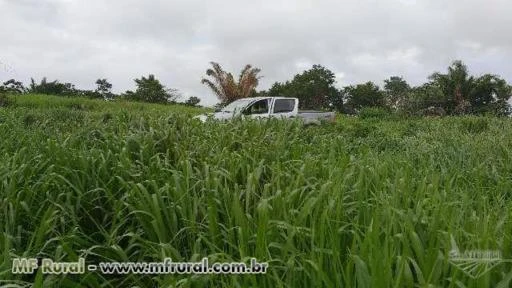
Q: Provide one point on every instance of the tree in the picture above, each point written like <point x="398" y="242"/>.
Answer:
<point x="104" y="89"/>
<point x="464" y="93"/>
<point x="12" y="86"/>
<point x="424" y="100"/>
<point x="5" y="101"/>
<point x="52" y="88"/>
<point x="192" y="101"/>
<point x="314" y="88"/>
<point x="151" y="90"/>
<point x="277" y="89"/>
<point x="223" y="84"/>
<point x="457" y="87"/>
<point x="490" y="94"/>
<point x="68" y="89"/>
<point x="363" y="95"/>
<point x="396" y="91"/>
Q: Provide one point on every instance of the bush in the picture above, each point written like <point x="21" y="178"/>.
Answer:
<point x="5" y="100"/>
<point x="374" y="112"/>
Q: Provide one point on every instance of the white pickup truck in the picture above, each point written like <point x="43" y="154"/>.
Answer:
<point x="268" y="107"/>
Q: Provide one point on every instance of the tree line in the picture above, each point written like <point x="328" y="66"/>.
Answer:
<point x="148" y="89"/>
<point x="454" y="92"/>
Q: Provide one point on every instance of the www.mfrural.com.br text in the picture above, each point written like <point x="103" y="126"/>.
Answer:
<point x="167" y="266"/>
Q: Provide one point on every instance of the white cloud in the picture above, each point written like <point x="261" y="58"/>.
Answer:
<point x="79" y="41"/>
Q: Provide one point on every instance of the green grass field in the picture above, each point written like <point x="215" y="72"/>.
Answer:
<point x="358" y="203"/>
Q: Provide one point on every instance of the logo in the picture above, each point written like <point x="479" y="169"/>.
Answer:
<point x="475" y="263"/>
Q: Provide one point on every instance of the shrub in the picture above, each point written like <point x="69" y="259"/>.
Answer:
<point x="374" y="112"/>
<point x="5" y="100"/>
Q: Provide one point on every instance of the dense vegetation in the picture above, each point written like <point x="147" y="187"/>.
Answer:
<point x="455" y="92"/>
<point x="149" y="89"/>
<point x="373" y="201"/>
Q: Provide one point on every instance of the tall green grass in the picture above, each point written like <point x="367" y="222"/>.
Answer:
<point x="360" y="203"/>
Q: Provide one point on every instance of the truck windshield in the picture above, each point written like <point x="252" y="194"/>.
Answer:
<point x="237" y="105"/>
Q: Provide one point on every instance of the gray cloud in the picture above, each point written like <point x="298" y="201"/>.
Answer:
<point x="80" y="41"/>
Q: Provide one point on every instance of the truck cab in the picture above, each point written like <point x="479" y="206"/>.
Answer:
<point x="268" y="107"/>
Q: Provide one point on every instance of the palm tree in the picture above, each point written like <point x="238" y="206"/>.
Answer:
<point x="223" y="84"/>
<point x="248" y="81"/>
<point x="457" y="85"/>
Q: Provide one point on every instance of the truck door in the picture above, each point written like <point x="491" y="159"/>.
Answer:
<point x="258" y="109"/>
<point x="284" y="108"/>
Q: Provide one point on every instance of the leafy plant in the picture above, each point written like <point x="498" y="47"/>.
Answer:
<point x="223" y="84"/>
<point x="360" y="203"/>
<point x="374" y="112"/>
<point x="5" y="100"/>
<point x="152" y="91"/>
<point x="475" y="125"/>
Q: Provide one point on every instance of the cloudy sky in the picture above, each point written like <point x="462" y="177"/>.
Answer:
<point x="79" y="41"/>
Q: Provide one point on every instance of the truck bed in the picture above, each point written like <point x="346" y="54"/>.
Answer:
<point x="316" y="117"/>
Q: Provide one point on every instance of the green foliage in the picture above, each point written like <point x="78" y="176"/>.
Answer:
<point x="50" y="102"/>
<point x="411" y="129"/>
<point x="226" y="88"/>
<point x="490" y="94"/>
<point x="314" y="88"/>
<point x="193" y="101"/>
<point x="456" y="85"/>
<point x="29" y="119"/>
<point x="69" y="90"/>
<point x="152" y="91"/>
<point x="360" y="203"/>
<point x="428" y="96"/>
<point x="362" y="129"/>
<point x="104" y="86"/>
<point x="363" y="95"/>
<point x="5" y="100"/>
<point x="52" y="88"/>
<point x="474" y="125"/>
<point x="107" y="117"/>
<point x="455" y="92"/>
<point x="103" y="90"/>
<point x="374" y="112"/>
<point x="396" y="92"/>
<point x="12" y="86"/>
<point x="466" y="94"/>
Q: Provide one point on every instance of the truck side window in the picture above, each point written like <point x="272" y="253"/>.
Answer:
<point x="284" y="105"/>
<point x="258" y="107"/>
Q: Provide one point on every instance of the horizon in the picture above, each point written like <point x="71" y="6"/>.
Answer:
<point x="79" y="42"/>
